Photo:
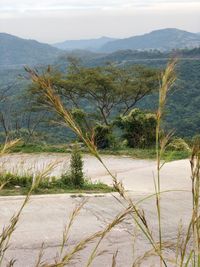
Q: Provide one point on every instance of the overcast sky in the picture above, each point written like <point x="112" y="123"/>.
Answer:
<point x="58" y="20"/>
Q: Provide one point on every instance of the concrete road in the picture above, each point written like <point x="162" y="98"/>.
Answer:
<point x="136" y="175"/>
<point x="44" y="218"/>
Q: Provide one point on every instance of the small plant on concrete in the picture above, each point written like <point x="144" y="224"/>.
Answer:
<point x="76" y="167"/>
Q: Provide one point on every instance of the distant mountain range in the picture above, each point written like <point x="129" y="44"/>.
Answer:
<point x="182" y="103"/>
<point x="18" y="51"/>
<point x="166" y="39"/>
<point x="87" y="44"/>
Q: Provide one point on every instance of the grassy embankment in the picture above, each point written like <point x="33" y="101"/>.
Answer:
<point x="138" y="153"/>
<point x="20" y="185"/>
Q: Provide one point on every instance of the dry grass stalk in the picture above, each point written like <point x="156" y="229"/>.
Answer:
<point x="8" y="145"/>
<point x="54" y="101"/>
<point x="167" y="80"/>
<point x="69" y="256"/>
<point x="67" y="228"/>
<point x="7" y="231"/>
<point x="193" y="231"/>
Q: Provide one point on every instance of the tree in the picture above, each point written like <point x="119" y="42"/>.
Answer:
<point x="76" y="167"/>
<point x="6" y="108"/>
<point x="103" y="137"/>
<point x="138" y="128"/>
<point x="107" y="89"/>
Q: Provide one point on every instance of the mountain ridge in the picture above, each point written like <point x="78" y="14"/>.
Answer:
<point x="88" y="44"/>
<point x="18" y="51"/>
<point x="162" y="39"/>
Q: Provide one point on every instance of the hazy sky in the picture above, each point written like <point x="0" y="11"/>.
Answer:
<point x="58" y="20"/>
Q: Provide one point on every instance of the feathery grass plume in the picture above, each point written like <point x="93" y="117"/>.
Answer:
<point x="67" y="228"/>
<point x="44" y="174"/>
<point x="8" y="145"/>
<point x="195" y="177"/>
<point x="167" y="80"/>
<point x="81" y="245"/>
<point x="51" y="99"/>
<point x="8" y="230"/>
<point x="6" y="233"/>
<point x="40" y="256"/>
<point x="188" y="245"/>
<point x="138" y="215"/>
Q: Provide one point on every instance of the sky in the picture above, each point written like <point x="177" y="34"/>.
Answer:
<point x="53" y="21"/>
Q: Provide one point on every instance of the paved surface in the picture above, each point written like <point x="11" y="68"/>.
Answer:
<point x="44" y="217"/>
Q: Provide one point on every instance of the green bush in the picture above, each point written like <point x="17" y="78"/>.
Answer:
<point x="178" y="144"/>
<point x="76" y="169"/>
<point x="103" y="137"/>
<point x="138" y="128"/>
<point x="66" y="180"/>
<point x="16" y="180"/>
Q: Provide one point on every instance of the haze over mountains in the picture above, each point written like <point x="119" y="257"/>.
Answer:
<point x="18" y="51"/>
<point x="164" y="39"/>
<point x="87" y="44"/>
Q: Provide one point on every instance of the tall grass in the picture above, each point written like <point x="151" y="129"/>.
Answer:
<point x="8" y="230"/>
<point x="167" y="80"/>
<point x="186" y="248"/>
<point x="52" y="100"/>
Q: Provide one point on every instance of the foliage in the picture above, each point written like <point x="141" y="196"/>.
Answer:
<point x="178" y="144"/>
<point x="147" y="153"/>
<point x="139" y="128"/>
<point x="183" y="250"/>
<point x="22" y="117"/>
<point x="16" y="180"/>
<point x="140" y="153"/>
<point x="107" y="89"/>
<point x="76" y="167"/>
<point x="18" y="51"/>
<point x="20" y="185"/>
<point x="164" y="39"/>
<point x="103" y="137"/>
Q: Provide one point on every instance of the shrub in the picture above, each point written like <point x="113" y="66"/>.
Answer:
<point x="76" y="167"/>
<point x="103" y="136"/>
<point x="65" y="180"/>
<point x="16" y="180"/>
<point x="178" y="144"/>
<point x="138" y="128"/>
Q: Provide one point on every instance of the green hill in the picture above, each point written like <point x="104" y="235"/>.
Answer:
<point x="165" y="39"/>
<point x="17" y="51"/>
<point x="182" y="112"/>
<point x="87" y="44"/>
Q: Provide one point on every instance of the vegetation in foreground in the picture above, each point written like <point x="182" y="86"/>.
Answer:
<point x="184" y="250"/>
<point x="20" y="119"/>
<point x="55" y="187"/>
<point x="72" y="181"/>
<point x="137" y="153"/>
<point x="187" y="252"/>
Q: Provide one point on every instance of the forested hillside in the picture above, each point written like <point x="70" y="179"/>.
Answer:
<point x="19" y="115"/>
<point x="87" y="44"/>
<point x="17" y="51"/>
<point x="183" y="114"/>
<point x="164" y="39"/>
